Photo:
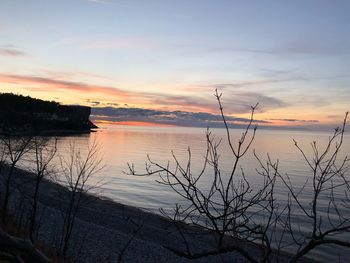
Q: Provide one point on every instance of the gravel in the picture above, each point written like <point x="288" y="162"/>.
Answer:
<point x="106" y="231"/>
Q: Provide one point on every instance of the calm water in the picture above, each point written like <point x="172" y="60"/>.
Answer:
<point x="122" y="144"/>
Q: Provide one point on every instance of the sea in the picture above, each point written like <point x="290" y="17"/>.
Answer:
<point x="121" y="146"/>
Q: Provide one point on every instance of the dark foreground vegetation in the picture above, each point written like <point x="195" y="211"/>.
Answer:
<point x="20" y="114"/>
<point x="47" y="214"/>
<point x="21" y="210"/>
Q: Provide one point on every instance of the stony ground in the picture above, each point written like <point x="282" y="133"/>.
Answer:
<point x="106" y="231"/>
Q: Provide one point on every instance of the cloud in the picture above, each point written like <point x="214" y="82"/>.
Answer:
<point x="124" y="43"/>
<point x="45" y="84"/>
<point x="10" y="51"/>
<point x="194" y="119"/>
<point x="49" y="84"/>
<point x="113" y="104"/>
<point x="240" y="101"/>
<point x="296" y="120"/>
<point x="241" y="84"/>
<point x="99" y="1"/>
<point x="247" y="99"/>
<point x="291" y="48"/>
<point x="93" y="103"/>
<point x="236" y="102"/>
<point x="274" y="77"/>
<point x="181" y="118"/>
<point x="115" y="44"/>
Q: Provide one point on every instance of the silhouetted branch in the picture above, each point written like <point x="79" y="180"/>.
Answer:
<point x="327" y="175"/>
<point x="229" y="205"/>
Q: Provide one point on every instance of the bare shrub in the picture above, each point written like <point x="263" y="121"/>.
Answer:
<point x="329" y="182"/>
<point x="229" y="206"/>
<point x="44" y="151"/>
<point x="77" y="170"/>
<point x="15" y="148"/>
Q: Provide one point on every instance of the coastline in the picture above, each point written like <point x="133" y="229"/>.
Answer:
<point x="106" y="230"/>
<point x="66" y="132"/>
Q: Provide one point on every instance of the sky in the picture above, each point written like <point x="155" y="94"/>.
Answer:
<point x="162" y="60"/>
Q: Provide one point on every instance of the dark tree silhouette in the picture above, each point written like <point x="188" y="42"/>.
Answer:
<point x="229" y="206"/>
<point x="329" y="180"/>
<point x="44" y="150"/>
<point x="15" y="149"/>
<point x="77" y="170"/>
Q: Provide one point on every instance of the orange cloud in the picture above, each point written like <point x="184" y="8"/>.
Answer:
<point x="143" y="99"/>
<point x="48" y="84"/>
<point x="237" y="103"/>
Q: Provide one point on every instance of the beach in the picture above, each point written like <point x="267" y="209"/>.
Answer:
<point x="106" y="231"/>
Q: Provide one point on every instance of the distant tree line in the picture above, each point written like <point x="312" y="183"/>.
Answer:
<point x="21" y="114"/>
<point x="10" y="102"/>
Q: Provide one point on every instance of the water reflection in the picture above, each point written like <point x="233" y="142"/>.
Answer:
<point x="123" y="144"/>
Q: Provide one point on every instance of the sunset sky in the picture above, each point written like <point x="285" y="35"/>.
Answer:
<point x="161" y="57"/>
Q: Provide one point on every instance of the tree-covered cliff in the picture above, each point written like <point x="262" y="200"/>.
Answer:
<point x="20" y="114"/>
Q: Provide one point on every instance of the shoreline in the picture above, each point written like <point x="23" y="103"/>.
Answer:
<point x="50" y="132"/>
<point x="106" y="229"/>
